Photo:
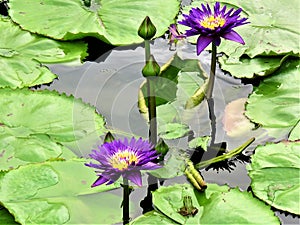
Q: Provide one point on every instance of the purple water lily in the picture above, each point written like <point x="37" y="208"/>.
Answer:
<point x="211" y="26"/>
<point x="123" y="158"/>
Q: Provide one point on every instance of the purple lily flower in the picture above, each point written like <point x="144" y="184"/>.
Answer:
<point x="123" y="158"/>
<point x="211" y="26"/>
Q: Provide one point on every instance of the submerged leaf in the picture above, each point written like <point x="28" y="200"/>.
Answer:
<point x="274" y="172"/>
<point x="236" y="124"/>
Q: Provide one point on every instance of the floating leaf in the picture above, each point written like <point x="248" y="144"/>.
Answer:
<point x="275" y="175"/>
<point x="200" y="142"/>
<point x="22" y="53"/>
<point x="103" y="19"/>
<point x="174" y="165"/>
<point x="58" y="193"/>
<point x="38" y="125"/>
<point x="152" y="217"/>
<point x="295" y="133"/>
<point x="249" y="68"/>
<point x="216" y="200"/>
<point x="173" y="130"/>
<point x="275" y="102"/>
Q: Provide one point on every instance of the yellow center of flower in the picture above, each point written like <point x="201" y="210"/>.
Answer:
<point x="212" y="22"/>
<point x="122" y="159"/>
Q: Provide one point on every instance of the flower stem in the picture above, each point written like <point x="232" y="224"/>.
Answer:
<point x="212" y="71"/>
<point x="210" y="100"/>
<point x="151" y="100"/>
<point x="152" y="181"/>
<point x="126" y="217"/>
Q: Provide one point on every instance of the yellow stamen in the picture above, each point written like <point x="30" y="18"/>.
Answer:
<point x="122" y="159"/>
<point x="212" y="22"/>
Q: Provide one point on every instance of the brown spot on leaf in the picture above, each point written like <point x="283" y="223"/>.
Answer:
<point x="2" y="153"/>
<point x="9" y="114"/>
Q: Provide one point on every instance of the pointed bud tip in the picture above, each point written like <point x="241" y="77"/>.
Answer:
<point x="147" y="30"/>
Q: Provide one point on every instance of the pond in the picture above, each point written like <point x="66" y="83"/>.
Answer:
<point x="248" y="155"/>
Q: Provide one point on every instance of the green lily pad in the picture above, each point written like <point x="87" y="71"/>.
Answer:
<point x="273" y="28"/>
<point x="249" y="68"/>
<point x="39" y="125"/>
<point x="112" y="21"/>
<point x="216" y="200"/>
<point x="275" y="102"/>
<point x="295" y="133"/>
<point x="58" y="193"/>
<point x="274" y="172"/>
<point x="200" y="142"/>
<point x="172" y="130"/>
<point x="152" y="217"/>
<point x="22" y="53"/>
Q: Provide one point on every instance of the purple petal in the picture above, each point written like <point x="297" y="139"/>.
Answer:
<point x="202" y="43"/>
<point x="233" y="36"/>
<point x="99" y="181"/>
<point x="151" y="166"/>
<point x="135" y="177"/>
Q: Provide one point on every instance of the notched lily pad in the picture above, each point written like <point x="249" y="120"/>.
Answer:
<point x="57" y="193"/>
<point x="275" y="102"/>
<point x="22" y="53"/>
<point x="275" y="175"/>
<point x="38" y="125"/>
<point x="216" y="200"/>
<point x="103" y="19"/>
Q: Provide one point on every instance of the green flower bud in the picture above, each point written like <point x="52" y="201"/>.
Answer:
<point x="147" y="30"/>
<point x="151" y="68"/>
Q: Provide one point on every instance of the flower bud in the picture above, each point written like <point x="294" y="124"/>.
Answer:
<point x="147" y="30"/>
<point x="151" y="68"/>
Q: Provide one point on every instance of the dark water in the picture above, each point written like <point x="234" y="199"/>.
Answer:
<point x="111" y="83"/>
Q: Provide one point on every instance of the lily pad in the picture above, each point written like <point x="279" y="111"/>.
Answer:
<point x="58" y="193"/>
<point x="22" y="53"/>
<point x="249" y="68"/>
<point x="173" y="130"/>
<point x="295" y="133"/>
<point x="38" y="125"/>
<point x="275" y="102"/>
<point x="275" y="175"/>
<point x="112" y="21"/>
<point x="152" y="217"/>
<point x="216" y="200"/>
<point x="273" y="28"/>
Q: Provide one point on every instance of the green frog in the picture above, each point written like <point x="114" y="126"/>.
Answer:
<point x="188" y="209"/>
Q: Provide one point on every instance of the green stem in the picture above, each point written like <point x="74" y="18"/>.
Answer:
<point x="210" y="100"/>
<point x="212" y="71"/>
<point x="228" y="155"/>
<point x="147" y="50"/>
<point x="151" y="100"/>
<point x="126" y="217"/>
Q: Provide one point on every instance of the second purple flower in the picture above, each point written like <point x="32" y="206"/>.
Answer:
<point x="123" y="158"/>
